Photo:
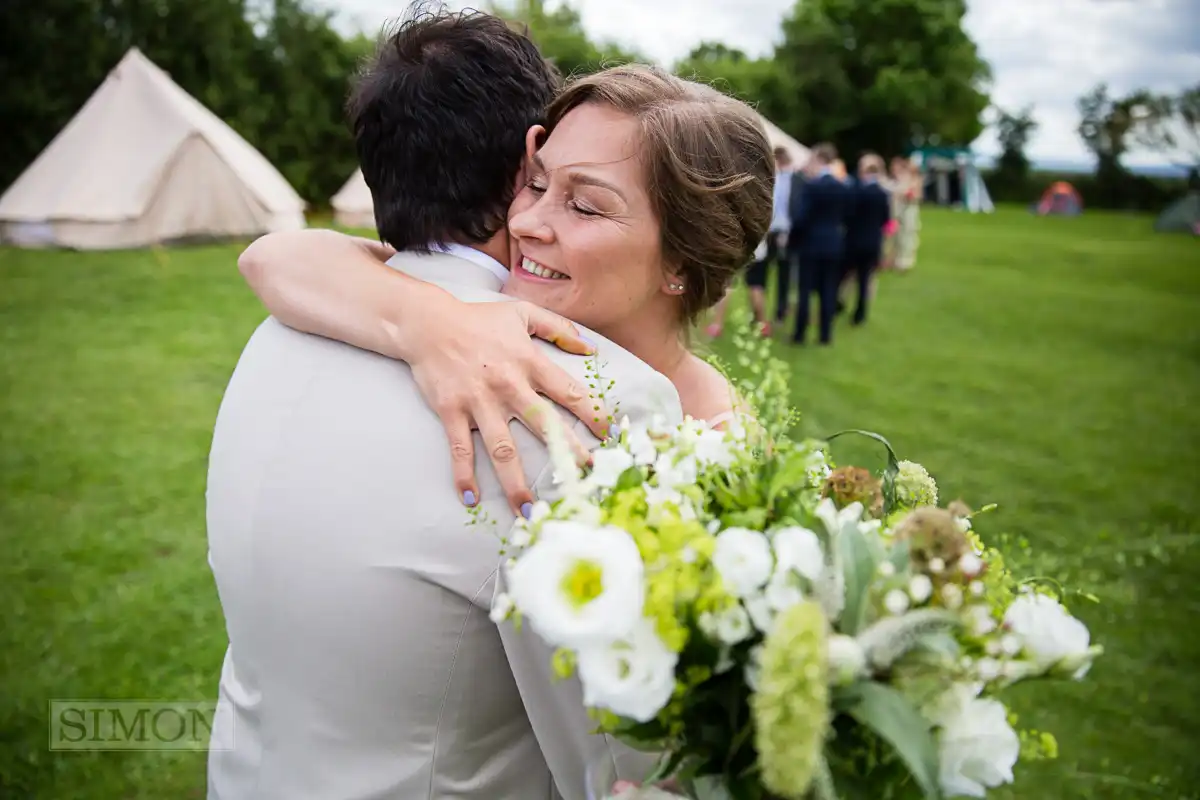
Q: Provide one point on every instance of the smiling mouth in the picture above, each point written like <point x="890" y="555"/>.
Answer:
<point x="534" y="268"/>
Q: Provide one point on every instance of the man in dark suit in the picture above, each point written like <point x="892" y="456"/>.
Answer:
<point x="868" y="214"/>
<point x="818" y="210"/>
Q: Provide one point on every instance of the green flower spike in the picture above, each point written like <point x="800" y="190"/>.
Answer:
<point x="791" y="706"/>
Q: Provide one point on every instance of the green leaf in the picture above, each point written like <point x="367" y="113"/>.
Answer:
<point x="792" y="473"/>
<point x="858" y="568"/>
<point x="630" y="479"/>
<point x="711" y="787"/>
<point x="889" y="472"/>
<point x="666" y="767"/>
<point x="754" y="519"/>
<point x="887" y="712"/>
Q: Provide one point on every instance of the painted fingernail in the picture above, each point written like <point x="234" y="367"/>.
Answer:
<point x="527" y="510"/>
<point x="614" y="431"/>
<point x="588" y="342"/>
<point x="468" y="498"/>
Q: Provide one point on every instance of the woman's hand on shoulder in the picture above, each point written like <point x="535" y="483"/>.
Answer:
<point x="479" y="368"/>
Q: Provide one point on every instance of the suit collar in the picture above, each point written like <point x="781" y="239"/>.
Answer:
<point x="462" y="266"/>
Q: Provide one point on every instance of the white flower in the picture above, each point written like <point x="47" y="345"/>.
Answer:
<point x="743" y="560"/>
<point x="760" y="611"/>
<point x="782" y="591"/>
<point x="847" y="661"/>
<point x="711" y="448"/>
<point x="988" y="669"/>
<point x="577" y="508"/>
<point x="798" y="549"/>
<point x="607" y="465"/>
<point x="816" y="469"/>
<point x="887" y="569"/>
<point x="952" y="596"/>
<point x="977" y="747"/>
<point x="754" y="667"/>
<point x="521" y="537"/>
<point x="502" y="606"/>
<point x="970" y="565"/>
<point x="641" y="446"/>
<point x="1055" y="639"/>
<point x="896" y="602"/>
<point x="977" y="588"/>
<point x="562" y="458"/>
<point x="980" y="621"/>
<point x="580" y="584"/>
<point x="673" y="471"/>
<point x="633" y="677"/>
<point x="920" y="588"/>
<point x="733" y="625"/>
<point x="936" y="565"/>
<point x="1010" y="645"/>
<point x="659" y="496"/>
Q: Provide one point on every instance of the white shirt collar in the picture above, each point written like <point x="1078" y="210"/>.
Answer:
<point x="477" y="257"/>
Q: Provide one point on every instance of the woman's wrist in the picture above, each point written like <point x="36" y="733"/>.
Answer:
<point x="412" y="314"/>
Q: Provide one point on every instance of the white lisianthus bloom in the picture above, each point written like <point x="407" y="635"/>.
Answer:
<point x="760" y="611"/>
<point x="578" y="508"/>
<point x="641" y="446"/>
<point x="782" y="591"/>
<point x="673" y="470"/>
<point x="798" y="549"/>
<point x="633" y="677"/>
<point x="848" y="518"/>
<point x="977" y="747"/>
<point x="743" y="559"/>
<point x="711" y="448"/>
<point x="732" y="625"/>
<point x="579" y="584"/>
<point x="607" y="465"/>
<point x="753" y="668"/>
<point x="1050" y="635"/>
<point x="847" y="660"/>
<point x="970" y="565"/>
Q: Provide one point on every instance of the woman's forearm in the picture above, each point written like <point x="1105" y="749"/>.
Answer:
<point x="337" y="286"/>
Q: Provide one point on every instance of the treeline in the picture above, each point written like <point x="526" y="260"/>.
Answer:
<point x="866" y="74"/>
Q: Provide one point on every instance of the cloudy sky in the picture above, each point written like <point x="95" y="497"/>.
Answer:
<point x="1044" y="52"/>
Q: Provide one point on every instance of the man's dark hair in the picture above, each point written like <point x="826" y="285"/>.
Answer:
<point x="439" y="117"/>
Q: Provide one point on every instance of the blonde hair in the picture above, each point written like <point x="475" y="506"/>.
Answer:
<point x="710" y="170"/>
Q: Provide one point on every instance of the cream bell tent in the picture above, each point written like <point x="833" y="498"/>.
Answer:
<point x="352" y="205"/>
<point x="142" y="163"/>
<point x="778" y="138"/>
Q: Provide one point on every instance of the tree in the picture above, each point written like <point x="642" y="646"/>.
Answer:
<point x="1171" y="125"/>
<point x="1013" y="132"/>
<point x="881" y="75"/>
<point x="1105" y="126"/>
<point x="560" y="36"/>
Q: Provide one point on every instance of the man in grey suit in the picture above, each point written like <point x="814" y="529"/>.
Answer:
<point x="362" y="662"/>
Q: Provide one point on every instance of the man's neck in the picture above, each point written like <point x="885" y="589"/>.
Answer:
<point x="496" y="247"/>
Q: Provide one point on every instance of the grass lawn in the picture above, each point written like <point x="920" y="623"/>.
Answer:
<point x="1049" y="365"/>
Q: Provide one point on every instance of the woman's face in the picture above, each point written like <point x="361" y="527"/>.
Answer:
<point x="587" y="240"/>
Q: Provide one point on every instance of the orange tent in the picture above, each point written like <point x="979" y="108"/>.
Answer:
<point x="1060" y="199"/>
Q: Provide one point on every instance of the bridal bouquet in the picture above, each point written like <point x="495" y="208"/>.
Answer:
<point x="778" y="627"/>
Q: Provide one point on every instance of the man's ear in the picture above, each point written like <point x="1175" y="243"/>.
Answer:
<point x="534" y="137"/>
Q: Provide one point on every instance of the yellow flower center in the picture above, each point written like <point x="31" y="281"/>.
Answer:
<point x="583" y="583"/>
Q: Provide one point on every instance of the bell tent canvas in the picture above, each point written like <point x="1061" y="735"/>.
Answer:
<point x="352" y="205"/>
<point x="778" y="138"/>
<point x="1061" y="199"/>
<point x="143" y="162"/>
<point x="1182" y="216"/>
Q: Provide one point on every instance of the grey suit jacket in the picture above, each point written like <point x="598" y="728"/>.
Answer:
<point x="362" y="662"/>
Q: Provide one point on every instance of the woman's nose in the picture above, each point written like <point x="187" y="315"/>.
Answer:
<point x="530" y="223"/>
